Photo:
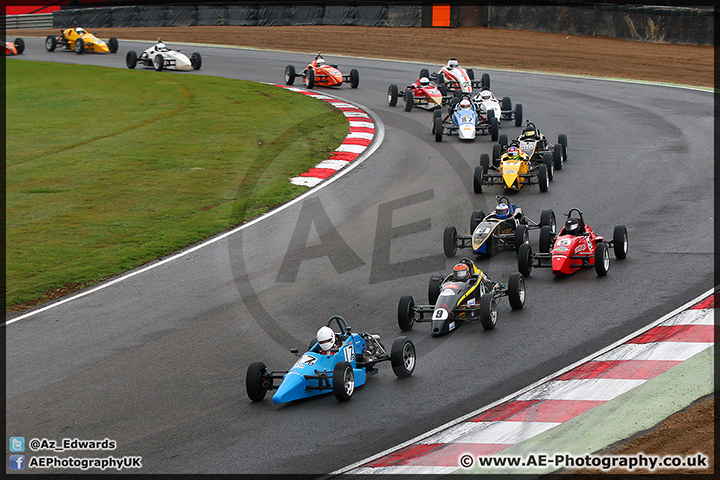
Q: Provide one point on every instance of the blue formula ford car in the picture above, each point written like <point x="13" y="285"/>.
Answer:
<point x="338" y="370"/>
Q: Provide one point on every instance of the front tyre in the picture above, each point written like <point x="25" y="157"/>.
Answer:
<point x="402" y="357"/>
<point x="478" y="179"/>
<point x="450" y="241"/>
<point x="158" y="62"/>
<point x="79" y="46"/>
<point x="343" y="381"/>
<point x="255" y="381"/>
<point x="488" y="311"/>
<point x="525" y="260"/>
<point x="494" y="129"/>
<point x="620" y="241"/>
<point x="289" y="74"/>
<point x="434" y="286"/>
<point x="438" y="127"/>
<point x="543" y="180"/>
<point x="354" y="78"/>
<point x="50" y="43"/>
<point x="196" y="61"/>
<point x="409" y="99"/>
<point x="131" y="59"/>
<point x="516" y="291"/>
<point x="545" y="238"/>
<point x="558" y="156"/>
<point x="518" y="114"/>
<point x="547" y="217"/>
<point x="406" y="313"/>
<point x="485" y="161"/>
<point x="392" y="95"/>
<point x="602" y="259"/>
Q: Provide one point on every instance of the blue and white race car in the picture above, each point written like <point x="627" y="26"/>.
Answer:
<point x="339" y="370"/>
<point x="465" y="120"/>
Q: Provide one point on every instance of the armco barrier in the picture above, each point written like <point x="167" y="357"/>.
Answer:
<point x="40" y="20"/>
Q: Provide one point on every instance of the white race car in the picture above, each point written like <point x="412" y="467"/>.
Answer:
<point x="160" y="57"/>
<point x="486" y="101"/>
<point x="457" y="79"/>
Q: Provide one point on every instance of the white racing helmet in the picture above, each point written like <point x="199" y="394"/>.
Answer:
<point x="80" y="31"/>
<point x="326" y="338"/>
<point x="424" y="81"/>
<point x="452" y="63"/>
<point x="485" y="95"/>
<point x="320" y="62"/>
<point x="465" y="103"/>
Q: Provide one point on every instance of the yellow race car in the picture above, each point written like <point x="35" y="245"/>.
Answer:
<point x="515" y="170"/>
<point x="81" y="41"/>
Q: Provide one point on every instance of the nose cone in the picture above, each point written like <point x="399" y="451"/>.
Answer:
<point x="434" y="98"/>
<point x="466" y="132"/>
<point x="560" y="264"/>
<point x="291" y="388"/>
<point x="511" y="180"/>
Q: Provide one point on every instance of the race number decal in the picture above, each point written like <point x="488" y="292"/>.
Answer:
<point x="349" y="353"/>
<point x="440" y="314"/>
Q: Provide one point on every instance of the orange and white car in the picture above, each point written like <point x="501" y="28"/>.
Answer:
<point x="15" y="48"/>
<point x="320" y="73"/>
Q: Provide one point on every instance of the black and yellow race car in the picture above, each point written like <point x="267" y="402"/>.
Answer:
<point x="535" y="145"/>
<point x="465" y="295"/>
<point x="506" y="227"/>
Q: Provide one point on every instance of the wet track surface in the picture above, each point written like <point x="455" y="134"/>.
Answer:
<point x="157" y="362"/>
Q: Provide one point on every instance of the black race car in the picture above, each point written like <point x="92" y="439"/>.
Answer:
<point x="506" y="227"/>
<point x="534" y="144"/>
<point x="453" y="301"/>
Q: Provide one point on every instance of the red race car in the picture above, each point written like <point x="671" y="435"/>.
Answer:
<point x="15" y="48"/>
<point x="320" y="73"/>
<point x="576" y="246"/>
<point x="423" y="94"/>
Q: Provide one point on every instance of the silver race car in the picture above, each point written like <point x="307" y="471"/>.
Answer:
<point x="160" y="58"/>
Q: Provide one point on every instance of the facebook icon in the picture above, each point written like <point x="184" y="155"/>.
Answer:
<point x="17" y="462"/>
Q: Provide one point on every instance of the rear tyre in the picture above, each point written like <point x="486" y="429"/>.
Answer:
<point x="543" y="178"/>
<point x="602" y="259"/>
<point x="547" y="217"/>
<point x="521" y="237"/>
<point x="450" y="241"/>
<point x="475" y="219"/>
<point x="310" y="78"/>
<point x="158" y="62"/>
<point x="392" y="95"/>
<point x="620" y="241"/>
<point x="354" y="78"/>
<point x="485" y="162"/>
<point x="545" y="238"/>
<point x="436" y="114"/>
<point x="494" y="129"/>
<point x="478" y="179"/>
<point x="518" y="114"/>
<point x="409" y="100"/>
<point x="289" y="74"/>
<point x="443" y="89"/>
<point x="19" y="45"/>
<point x="438" y="127"/>
<point x="254" y="381"/>
<point x="470" y="73"/>
<point x="558" y="156"/>
<point x="516" y="291"/>
<point x="502" y="141"/>
<point x="79" y="46"/>
<point x="131" y="59"/>
<point x="525" y="260"/>
<point x="406" y="313"/>
<point x="402" y="357"/>
<point x="434" y="288"/>
<point x="113" y="45"/>
<point x="196" y="61"/>
<point x="488" y="311"/>
<point x="343" y="381"/>
<point x="50" y="43"/>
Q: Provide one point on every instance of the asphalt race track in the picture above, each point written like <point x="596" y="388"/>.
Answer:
<point x="157" y="362"/>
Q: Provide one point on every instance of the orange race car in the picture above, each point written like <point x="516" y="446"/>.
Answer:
<point x="320" y="73"/>
<point x="15" y="48"/>
<point x="81" y="41"/>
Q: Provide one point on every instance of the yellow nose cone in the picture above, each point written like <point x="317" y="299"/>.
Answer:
<point x="511" y="180"/>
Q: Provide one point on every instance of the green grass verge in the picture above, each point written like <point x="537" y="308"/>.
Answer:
<point x="108" y="169"/>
